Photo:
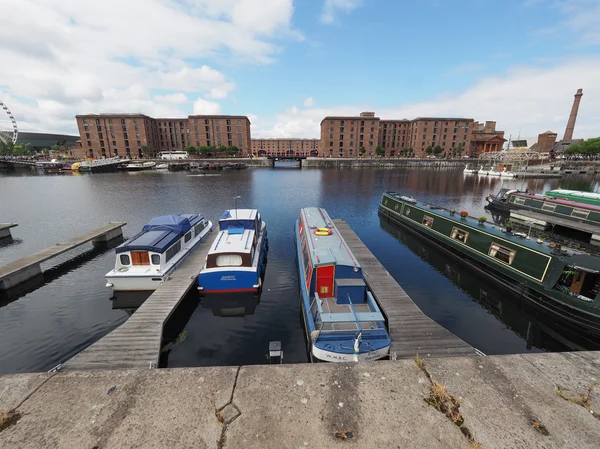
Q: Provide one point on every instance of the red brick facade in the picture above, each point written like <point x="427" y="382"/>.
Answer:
<point x="285" y="147"/>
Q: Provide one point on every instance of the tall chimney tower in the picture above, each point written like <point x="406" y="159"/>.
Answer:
<point x="573" y="116"/>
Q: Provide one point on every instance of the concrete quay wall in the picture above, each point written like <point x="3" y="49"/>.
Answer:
<point x="515" y="401"/>
<point x="319" y="162"/>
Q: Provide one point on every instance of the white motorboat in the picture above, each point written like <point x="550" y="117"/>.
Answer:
<point x="482" y="172"/>
<point x="138" y="166"/>
<point x="507" y="174"/>
<point x="162" y="166"/>
<point x="144" y="261"/>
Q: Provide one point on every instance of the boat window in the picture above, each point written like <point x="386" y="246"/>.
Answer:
<point x="518" y="200"/>
<point x="502" y="253"/>
<point x="460" y="235"/>
<point x="229" y="260"/>
<point x="427" y="220"/>
<point x="187" y="237"/>
<point x="407" y="211"/>
<point x="198" y="228"/>
<point x="548" y="207"/>
<point x="155" y="259"/>
<point x="580" y="213"/>
<point x="173" y="250"/>
<point x="124" y="258"/>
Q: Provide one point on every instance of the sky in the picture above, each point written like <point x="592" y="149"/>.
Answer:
<point x="287" y="64"/>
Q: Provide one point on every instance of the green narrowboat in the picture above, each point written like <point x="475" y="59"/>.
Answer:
<point x="563" y="282"/>
<point x="575" y="195"/>
<point x="507" y="199"/>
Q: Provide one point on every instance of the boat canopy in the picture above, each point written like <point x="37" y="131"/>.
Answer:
<point x="160" y="233"/>
<point x="240" y="218"/>
<point x="177" y="223"/>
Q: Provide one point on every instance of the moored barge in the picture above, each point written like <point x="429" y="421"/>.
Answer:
<point x="563" y="282"/>
<point x="342" y="319"/>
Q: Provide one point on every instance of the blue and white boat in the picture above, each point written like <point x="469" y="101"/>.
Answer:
<point x="145" y="260"/>
<point x="236" y="262"/>
<point x="342" y="319"/>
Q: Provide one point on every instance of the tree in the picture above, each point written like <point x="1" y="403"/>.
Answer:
<point x="587" y="147"/>
<point x="6" y="148"/>
<point x="437" y="149"/>
<point x="55" y="148"/>
<point x="379" y="151"/>
<point x="221" y="148"/>
<point x="192" y="150"/>
<point x="362" y="151"/>
<point x="429" y="150"/>
<point x="459" y="148"/>
<point x="232" y="150"/>
<point x="148" y="152"/>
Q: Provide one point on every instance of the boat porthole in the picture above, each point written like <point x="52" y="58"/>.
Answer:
<point x="328" y="347"/>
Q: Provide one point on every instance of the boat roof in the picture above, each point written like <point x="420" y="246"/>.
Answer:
<point x="491" y="228"/>
<point x="326" y="249"/>
<point x="574" y="193"/>
<point x="160" y="233"/>
<point x="239" y="214"/>
<point x="565" y="202"/>
<point x="233" y="240"/>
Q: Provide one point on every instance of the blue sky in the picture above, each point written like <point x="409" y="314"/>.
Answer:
<point x="287" y="64"/>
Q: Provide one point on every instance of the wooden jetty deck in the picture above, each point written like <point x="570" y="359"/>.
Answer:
<point x="28" y="267"/>
<point x="137" y="342"/>
<point x="412" y="331"/>
<point x="5" y="230"/>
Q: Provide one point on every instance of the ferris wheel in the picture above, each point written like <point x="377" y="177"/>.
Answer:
<point x="8" y="125"/>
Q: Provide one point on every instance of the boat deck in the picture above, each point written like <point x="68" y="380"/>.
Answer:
<point x="137" y="342"/>
<point x="5" y="229"/>
<point x="331" y="306"/>
<point x="585" y="227"/>
<point x="23" y="269"/>
<point x="412" y="332"/>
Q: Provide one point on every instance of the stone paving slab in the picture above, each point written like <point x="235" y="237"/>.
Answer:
<point x="374" y="405"/>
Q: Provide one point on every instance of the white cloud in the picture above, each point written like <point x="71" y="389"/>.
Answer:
<point x="309" y="102"/>
<point x="129" y="56"/>
<point x="524" y="100"/>
<point x="202" y="106"/>
<point x="332" y="7"/>
<point x="581" y="18"/>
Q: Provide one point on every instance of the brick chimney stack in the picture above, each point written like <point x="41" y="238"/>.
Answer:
<point x="573" y="116"/>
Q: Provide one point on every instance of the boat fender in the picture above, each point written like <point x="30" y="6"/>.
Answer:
<point x="323" y="231"/>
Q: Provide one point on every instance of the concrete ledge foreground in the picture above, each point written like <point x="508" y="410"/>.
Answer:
<point x="378" y="405"/>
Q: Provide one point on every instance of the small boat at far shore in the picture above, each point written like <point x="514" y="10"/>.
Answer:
<point x="162" y="166"/>
<point x="138" y="166"/>
<point x="507" y="174"/>
<point x="145" y="260"/>
<point x="468" y="170"/>
<point x="482" y="172"/>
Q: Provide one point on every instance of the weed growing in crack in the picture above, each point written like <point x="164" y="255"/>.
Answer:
<point x="582" y="399"/>
<point x="537" y="425"/>
<point x="8" y="419"/>
<point x="446" y="403"/>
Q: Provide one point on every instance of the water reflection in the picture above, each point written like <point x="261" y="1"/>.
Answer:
<point x="238" y="305"/>
<point x="537" y="329"/>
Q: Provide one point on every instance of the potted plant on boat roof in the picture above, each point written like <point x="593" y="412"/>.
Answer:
<point x="482" y="219"/>
<point x="464" y="214"/>
<point x="509" y="225"/>
<point x="452" y="211"/>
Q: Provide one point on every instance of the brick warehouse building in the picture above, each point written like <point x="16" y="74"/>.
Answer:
<point x="125" y="134"/>
<point x="285" y="147"/>
<point x="345" y="136"/>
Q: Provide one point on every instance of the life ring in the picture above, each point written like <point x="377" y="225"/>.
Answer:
<point x="323" y="231"/>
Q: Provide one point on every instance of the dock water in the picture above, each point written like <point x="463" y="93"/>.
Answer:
<point x="412" y="332"/>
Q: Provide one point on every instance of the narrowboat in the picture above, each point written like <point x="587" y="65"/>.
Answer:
<point x="236" y="262"/>
<point x="575" y="195"/>
<point x="562" y="282"/>
<point x="145" y="260"/>
<point x="342" y="320"/>
<point x="507" y="199"/>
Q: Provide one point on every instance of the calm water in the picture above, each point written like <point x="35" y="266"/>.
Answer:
<point x="73" y="308"/>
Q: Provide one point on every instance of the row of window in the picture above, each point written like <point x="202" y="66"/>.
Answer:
<point x="496" y="250"/>
<point x="551" y="207"/>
